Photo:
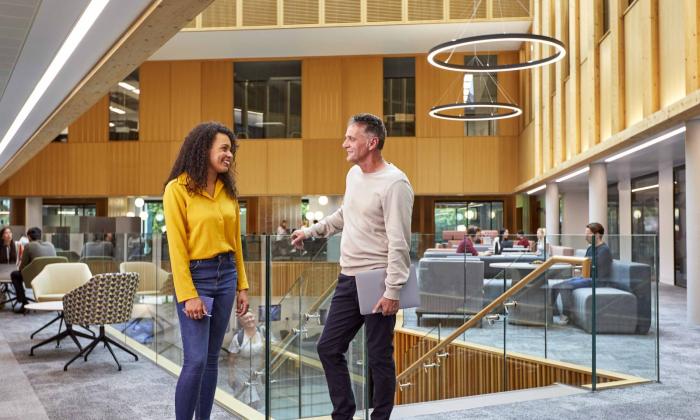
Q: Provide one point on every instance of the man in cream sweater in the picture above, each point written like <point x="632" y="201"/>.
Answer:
<point x="375" y="220"/>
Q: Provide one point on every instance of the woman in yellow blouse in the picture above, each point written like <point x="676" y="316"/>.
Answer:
<point x="204" y="239"/>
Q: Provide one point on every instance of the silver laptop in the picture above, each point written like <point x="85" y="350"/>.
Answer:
<point x="371" y="287"/>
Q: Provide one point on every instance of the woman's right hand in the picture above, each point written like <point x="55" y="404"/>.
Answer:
<point x="194" y="308"/>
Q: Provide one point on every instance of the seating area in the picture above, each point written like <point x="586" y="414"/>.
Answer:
<point x="80" y="299"/>
<point x="455" y="284"/>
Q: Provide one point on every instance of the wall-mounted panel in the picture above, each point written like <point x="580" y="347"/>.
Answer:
<point x="588" y="108"/>
<point x="217" y="92"/>
<point x="634" y="81"/>
<point x="606" y="88"/>
<point x="93" y="126"/>
<point x="186" y="97"/>
<point x="342" y="11"/>
<point x="325" y="167"/>
<point x="251" y="167"/>
<point x="401" y="151"/>
<point x="124" y="168"/>
<point x="259" y="12"/>
<point x="672" y="38"/>
<point x="425" y="9"/>
<point x="362" y="86"/>
<point x="300" y="12"/>
<point x="451" y="170"/>
<point x="284" y="160"/>
<point x="427" y="165"/>
<point x="155" y="101"/>
<point x="156" y="160"/>
<point x="322" y="98"/>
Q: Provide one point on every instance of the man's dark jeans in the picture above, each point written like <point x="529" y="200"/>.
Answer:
<point x="18" y="284"/>
<point x="343" y="322"/>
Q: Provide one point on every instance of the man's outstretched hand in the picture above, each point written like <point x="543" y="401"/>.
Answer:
<point x="298" y="239"/>
<point x="386" y="306"/>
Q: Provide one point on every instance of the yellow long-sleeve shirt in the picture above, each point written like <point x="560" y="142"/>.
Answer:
<point x="199" y="227"/>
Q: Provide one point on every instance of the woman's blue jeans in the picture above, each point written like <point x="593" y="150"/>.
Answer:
<point x="201" y="339"/>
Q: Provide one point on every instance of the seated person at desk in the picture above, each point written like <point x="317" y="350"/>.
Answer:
<point x="467" y="244"/>
<point x="522" y="240"/>
<point x="98" y="248"/>
<point x="8" y="248"/>
<point x="501" y="242"/>
<point x="603" y="262"/>
<point x="35" y="248"/>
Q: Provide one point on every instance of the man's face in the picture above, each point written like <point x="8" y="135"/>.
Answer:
<point x="358" y="144"/>
<point x="589" y="235"/>
<point x="7" y="235"/>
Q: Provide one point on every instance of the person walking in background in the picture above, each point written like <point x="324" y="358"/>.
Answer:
<point x="375" y="219"/>
<point x="204" y="241"/>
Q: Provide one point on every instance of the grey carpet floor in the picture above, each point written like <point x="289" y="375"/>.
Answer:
<point x="35" y="387"/>
<point x="676" y="397"/>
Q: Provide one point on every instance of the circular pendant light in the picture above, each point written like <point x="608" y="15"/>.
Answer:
<point x="502" y="111"/>
<point x="450" y="46"/>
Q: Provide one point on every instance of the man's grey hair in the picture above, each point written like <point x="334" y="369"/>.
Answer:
<point x="374" y="126"/>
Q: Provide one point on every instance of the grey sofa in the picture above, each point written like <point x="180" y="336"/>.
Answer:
<point x="450" y="286"/>
<point x="622" y="308"/>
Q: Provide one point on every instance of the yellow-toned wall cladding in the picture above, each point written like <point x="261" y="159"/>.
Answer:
<point x="177" y="95"/>
<point x="612" y="78"/>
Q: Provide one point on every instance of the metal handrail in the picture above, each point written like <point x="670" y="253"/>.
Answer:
<point x="585" y="263"/>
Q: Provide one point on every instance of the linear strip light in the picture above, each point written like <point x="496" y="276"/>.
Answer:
<point x="645" y="188"/>
<point x="117" y="110"/>
<point x="645" y="145"/>
<point x="538" y="189"/>
<point x="87" y="19"/>
<point x="573" y="174"/>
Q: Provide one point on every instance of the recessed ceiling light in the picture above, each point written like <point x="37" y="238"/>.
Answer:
<point x="645" y="144"/>
<point x="573" y="174"/>
<point x="87" y="19"/>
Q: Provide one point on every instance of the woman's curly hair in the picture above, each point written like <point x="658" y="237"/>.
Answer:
<point x="193" y="158"/>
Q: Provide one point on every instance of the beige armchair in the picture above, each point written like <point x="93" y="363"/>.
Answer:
<point x="57" y="279"/>
<point x="151" y="277"/>
<point x="54" y="281"/>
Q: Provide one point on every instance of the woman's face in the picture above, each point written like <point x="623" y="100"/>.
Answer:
<point x="6" y="235"/>
<point x="220" y="154"/>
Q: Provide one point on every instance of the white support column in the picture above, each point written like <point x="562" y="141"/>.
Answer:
<point x="692" y="218"/>
<point x="551" y="211"/>
<point x="625" y="213"/>
<point x="33" y="214"/>
<point x="598" y="194"/>
<point x="666" y="232"/>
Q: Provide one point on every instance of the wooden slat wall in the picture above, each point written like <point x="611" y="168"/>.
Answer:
<point x="474" y="370"/>
<point x="92" y="127"/>
<point x="176" y="95"/>
<point x="647" y="61"/>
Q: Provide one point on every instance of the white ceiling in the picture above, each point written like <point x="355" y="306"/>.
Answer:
<point x="16" y="17"/>
<point x="667" y="154"/>
<point x="52" y="23"/>
<point x="328" y="41"/>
